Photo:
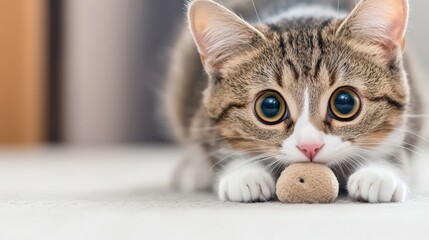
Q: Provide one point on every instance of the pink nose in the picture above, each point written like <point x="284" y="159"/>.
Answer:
<point x="310" y="150"/>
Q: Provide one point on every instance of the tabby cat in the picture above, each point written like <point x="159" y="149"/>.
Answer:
<point x="293" y="83"/>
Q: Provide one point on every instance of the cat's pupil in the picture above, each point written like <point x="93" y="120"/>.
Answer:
<point x="270" y="106"/>
<point x="345" y="103"/>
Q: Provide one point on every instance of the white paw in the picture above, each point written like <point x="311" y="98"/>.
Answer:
<point x="248" y="185"/>
<point x="376" y="185"/>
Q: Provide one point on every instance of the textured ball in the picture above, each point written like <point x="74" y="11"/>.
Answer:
<point x="307" y="183"/>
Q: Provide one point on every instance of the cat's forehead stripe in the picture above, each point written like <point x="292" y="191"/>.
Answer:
<point x="275" y="28"/>
<point x="304" y="47"/>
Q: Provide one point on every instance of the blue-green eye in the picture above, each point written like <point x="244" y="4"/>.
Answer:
<point x="270" y="108"/>
<point x="345" y="104"/>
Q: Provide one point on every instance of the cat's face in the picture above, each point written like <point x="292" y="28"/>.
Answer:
<point x="317" y="90"/>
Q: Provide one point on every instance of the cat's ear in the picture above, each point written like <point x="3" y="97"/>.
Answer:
<point x="382" y="22"/>
<point x="218" y="32"/>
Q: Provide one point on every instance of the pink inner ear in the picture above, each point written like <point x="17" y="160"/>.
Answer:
<point x="202" y="45"/>
<point x="381" y="21"/>
<point x="218" y="32"/>
<point x="398" y="29"/>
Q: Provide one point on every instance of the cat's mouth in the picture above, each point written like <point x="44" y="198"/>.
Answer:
<point x="328" y="153"/>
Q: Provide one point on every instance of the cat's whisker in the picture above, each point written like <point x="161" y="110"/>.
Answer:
<point x="349" y="158"/>
<point x="340" y="167"/>
<point x="276" y="167"/>
<point x="230" y="138"/>
<point x="381" y="158"/>
<point x="337" y="16"/>
<point x="256" y="12"/>
<point x="357" y="160"/>
<point x="370" y="154"/>
<point x="203" y="128"/>
<point x="246" y="162"/>
<point x="280" y="162"/>
<point x="358" y="157"/>
<point x="218" y="152"/>
<point x="410" y="132"/>
<point x="381" y="141"/>
<point x="417" y="115"/>
<point x="237" y="153"/>
<point x="340" y="156"/>
<point x="217" y="139"/>
<point x="413" y="133"/>
<point x="272" y="166"/>
<point x="251" y="162"/>
<point x="383" y="154"/>
<point x="256" y="157"/>
<point x="376" y="144"/>
<point x="344" y="164"/>
<point x="352" y="163"/>
<point x="397" y="144"/>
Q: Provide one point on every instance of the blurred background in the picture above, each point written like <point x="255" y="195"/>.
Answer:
<point x="90" y="72"/>
<point x="85" y="76"/>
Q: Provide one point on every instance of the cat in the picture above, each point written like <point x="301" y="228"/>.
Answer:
<point x="293" y="83"/>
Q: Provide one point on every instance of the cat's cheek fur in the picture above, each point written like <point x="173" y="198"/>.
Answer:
<point x="376" y="184"/>
<point x="241" y="182"/>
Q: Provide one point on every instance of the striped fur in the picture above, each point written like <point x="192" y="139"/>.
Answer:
<point x="317" y="54"/>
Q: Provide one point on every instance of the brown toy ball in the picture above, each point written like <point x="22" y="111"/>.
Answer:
<point x="307" y="183"/>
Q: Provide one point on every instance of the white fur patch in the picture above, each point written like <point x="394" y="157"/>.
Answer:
<point x="309" y="11"/>
<point x="241" y="182"/>
<point x="306" y="133"/>
<point x="376" y="184"/>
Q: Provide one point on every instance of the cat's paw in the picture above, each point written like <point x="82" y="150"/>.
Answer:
<point x="247" y="185"/>
<point x="376" y="185"/>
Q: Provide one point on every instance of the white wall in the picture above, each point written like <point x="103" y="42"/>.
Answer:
<point x="96" y="82"/>
<point x="418" y="46"/>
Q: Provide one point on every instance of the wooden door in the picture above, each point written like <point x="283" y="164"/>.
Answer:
<point x="22" y="71"/>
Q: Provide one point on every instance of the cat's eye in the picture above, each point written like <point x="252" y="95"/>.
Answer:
<point x="270" y="108"/>
<point x="345" y="104"/>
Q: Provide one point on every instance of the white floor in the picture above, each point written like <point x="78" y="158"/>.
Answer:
<point x="122" y="193"/>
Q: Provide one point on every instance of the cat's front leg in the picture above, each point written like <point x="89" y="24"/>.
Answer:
<point x="241" y="182"/>
<point x="194" y="172"/>
<point x="376" y="184"/>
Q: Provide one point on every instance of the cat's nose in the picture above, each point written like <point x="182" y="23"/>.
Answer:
<point x="310" y="150"/>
